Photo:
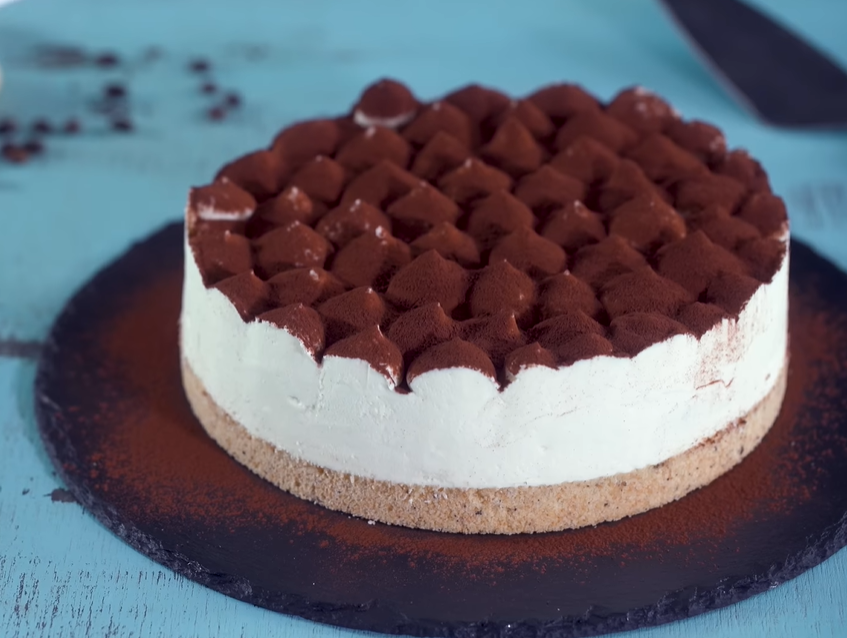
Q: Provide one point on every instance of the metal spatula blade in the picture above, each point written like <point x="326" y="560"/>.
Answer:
<point x="775" y="73"/>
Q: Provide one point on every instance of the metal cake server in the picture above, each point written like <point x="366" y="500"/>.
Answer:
<point x="780" y="77"/>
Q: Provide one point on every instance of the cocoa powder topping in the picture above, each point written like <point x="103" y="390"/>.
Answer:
<point x="372" y="146"/>
<point x="420" y="209"/>
<point x="528" y="356"/>
<point x="530" y="116"/>
<point x="289" y="206"/>
<point x="535" y="255"/>
<point x="502" y="287"/>
<point x="305" y="141"/>
<point x="292" y="246"/>
<point x="222" y="200"/>
<point x="421" y="328"/>
<point x="429" y="278"/>
<point x="480" y="103"/>
<point x="586" y="159"/>
<point x="496" y="336"/>
<point x="634" y="332"/>
<point x="513" y="149"/>
<point x="302" y="322"/>
<point x="451" y="243"/>
<point x="261" y="174"/>
<point x="380" y="185"/>
<point x="547" y="188"/>
<point x="441" y="155"/>
<point x="371" y="259"/>
<point x="308" y="286"/>
<point x="321" y="178"/>
<point x="344" y="223"/>
<point x="702" y="139"/>
<point x="488" y="232"/>
<point x="455" y="353"/>
<point x="642" y="110"/>
<point x="351" y="312"/>
<point x="387" y="103"/>
<point x="473" y="180"/>
<point x="221" y="255"/>
<point x="249" y="295"/>
<point x="443" y="118"/>
<point x="599" y="126"/>
<point x="371" y="346"/>
<point x="647" y="222"/>
<point x="574" y="226"/>
<point x="562" y="101"/>
<point x="563" y="292"/>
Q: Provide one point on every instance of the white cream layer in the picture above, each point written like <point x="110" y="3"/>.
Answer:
<point x="595" y="418"/>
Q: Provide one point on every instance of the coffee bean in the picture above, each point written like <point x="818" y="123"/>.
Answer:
<point x="14" y="153"/>
<point x="42" y="125"/>
<point x="216" y="113"/>
<point x="107" y="60"/>
<point x="122" y="124"/>
<point x="232" y="100"/>
<point x="199" y="65"/>
<point x="115" y="91"/>
<point x="71" y="126"/>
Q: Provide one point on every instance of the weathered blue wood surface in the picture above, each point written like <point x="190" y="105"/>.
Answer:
<point x="64" y="215"/>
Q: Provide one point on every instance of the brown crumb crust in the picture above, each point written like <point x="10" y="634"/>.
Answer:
<point x="515" y="510"/>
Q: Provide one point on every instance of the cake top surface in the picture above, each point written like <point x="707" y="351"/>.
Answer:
<point x="487" y="232"/>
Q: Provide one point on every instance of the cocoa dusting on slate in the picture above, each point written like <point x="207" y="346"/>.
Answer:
<point x="478" y="202"/>
<point x="159" y="453"/>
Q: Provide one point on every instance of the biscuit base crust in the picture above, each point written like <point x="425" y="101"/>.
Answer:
<point x="512" y="510"/>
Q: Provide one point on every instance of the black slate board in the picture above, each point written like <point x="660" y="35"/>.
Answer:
<point x="116" y="425"/>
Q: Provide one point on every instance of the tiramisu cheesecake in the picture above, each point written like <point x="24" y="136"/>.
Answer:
<point x="488" y="315"/>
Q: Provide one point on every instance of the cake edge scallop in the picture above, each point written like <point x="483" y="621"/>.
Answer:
<point x="512" y="510"/>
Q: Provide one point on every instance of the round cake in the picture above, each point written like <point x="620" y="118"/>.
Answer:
<point x="485" y="314"/>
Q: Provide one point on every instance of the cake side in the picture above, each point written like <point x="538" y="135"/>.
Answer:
<point x="514" y="510"/>
<point x="457" y="427"/>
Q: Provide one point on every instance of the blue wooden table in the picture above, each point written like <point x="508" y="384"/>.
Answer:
<point x="67" y="212"/>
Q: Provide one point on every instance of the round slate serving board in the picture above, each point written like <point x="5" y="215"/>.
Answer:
<point x="119" y="430"/>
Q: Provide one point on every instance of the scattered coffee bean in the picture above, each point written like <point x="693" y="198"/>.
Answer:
<point x="113" y="102"/>
<point x="216" y="113"/>
<point x="60" y="56"/>
<point x="34" y="147"/>
<point x="199" y="65"/>
<point x="122" y="124"/>
<point x="14" y="153"/>
<point x="8" y="126"/>
<point x="107" y="60"/>
<point x="114" y="91"/>
<point x="42" y="125"/>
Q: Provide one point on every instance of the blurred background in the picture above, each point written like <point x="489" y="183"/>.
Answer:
<point x="289" y="60"/>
